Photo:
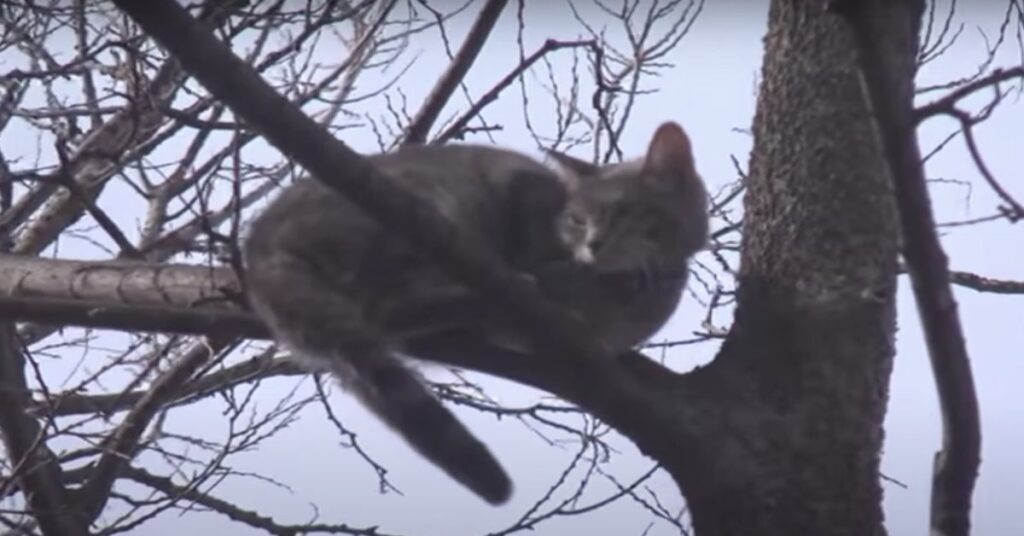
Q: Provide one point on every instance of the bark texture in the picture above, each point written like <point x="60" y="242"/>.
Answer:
<point x="808" y="361"/>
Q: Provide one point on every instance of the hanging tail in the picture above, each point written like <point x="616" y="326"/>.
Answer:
<point x="323" y="327"/>
<point x="395" y="393"/>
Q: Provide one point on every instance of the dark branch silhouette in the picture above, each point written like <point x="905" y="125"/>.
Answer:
<point x="420" y="126"/>
<point x="35" y="469"/>
<point x="956" y="464"/>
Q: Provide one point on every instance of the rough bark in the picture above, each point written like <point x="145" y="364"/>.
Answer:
<point x="810" y="353"/>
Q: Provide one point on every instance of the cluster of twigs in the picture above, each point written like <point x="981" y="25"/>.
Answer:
<point x="127" y="160"/>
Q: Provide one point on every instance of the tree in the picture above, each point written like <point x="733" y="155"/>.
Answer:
<point x="780" y="434"/>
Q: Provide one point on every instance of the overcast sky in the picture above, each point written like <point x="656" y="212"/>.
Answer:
<point x="711" y="92"/>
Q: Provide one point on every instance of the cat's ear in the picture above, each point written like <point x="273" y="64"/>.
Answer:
<point x="669" y="155"/>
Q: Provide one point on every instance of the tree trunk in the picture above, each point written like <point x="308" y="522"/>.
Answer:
<point x="795" y="401"/>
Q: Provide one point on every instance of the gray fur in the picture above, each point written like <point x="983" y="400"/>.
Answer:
<point x="611" y="242"/>
<point x="325" y="277"/>
<point x="649" y="217"/>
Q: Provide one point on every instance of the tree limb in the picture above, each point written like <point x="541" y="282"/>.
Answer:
<point x="263" y="365"/>
<point x="948" y="102"/>
<point x="476" y="38"/>
<point x="956" y="465"/>
<point x="981" y="283"/>
<point x="35" y="468"/>
<point x="183" y="299"/>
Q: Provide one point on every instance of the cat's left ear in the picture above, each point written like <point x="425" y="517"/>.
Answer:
<point x="669" y="155"/>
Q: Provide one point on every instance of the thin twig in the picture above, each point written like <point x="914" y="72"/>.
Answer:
<point x="253" y="519"/>
<point x="459" y="126"/>
<point x="124" y="443"/>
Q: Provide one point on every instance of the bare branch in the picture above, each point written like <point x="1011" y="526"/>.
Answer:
<point x="264" y="365"/>
<point x="947" y="103"/>
<point x="457" y="128"/>
<point x="98" y="156"/>
<point x="253" y="519"/>
<point x="123" y="444"/>
<point x="986" y="284"/>
<point x="417" y="131"/>
<point x="36" y="471"/>
<point x="1013" y="210"/>
<point x="891" y="100"/>
<point x="981" y="283"/>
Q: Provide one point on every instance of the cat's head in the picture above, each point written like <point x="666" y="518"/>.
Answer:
<point x="577" y="230"/>
<point x="651" y="209"/>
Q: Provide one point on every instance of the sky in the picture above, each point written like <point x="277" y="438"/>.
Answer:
<point x="711" y="91"/>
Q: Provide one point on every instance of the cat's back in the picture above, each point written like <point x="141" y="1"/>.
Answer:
<point x="466" y="183"/>
<point x="459" y="170"/>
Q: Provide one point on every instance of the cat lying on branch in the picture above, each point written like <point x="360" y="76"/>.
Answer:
<point x="609" y="242"/>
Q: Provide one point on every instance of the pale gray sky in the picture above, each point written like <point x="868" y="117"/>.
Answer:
<point x="711" y="91"/>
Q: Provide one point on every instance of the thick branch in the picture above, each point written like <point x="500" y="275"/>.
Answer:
<point x="35" y="468"/>
<point x="125" y="295"/>
<point x="632" y="400"/>
<point x="175" y="298"/>
<point x="475" y="40"/>
<point x="117" y="282"/>
<point x="956" y="465"/>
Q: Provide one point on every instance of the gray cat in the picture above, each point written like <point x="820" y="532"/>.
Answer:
<point x="645" y="219"/>
<point x="610" y="242"/>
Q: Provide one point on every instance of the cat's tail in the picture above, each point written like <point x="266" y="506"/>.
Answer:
<point x="396" y="394"/>
<point x="307" y="313"/>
